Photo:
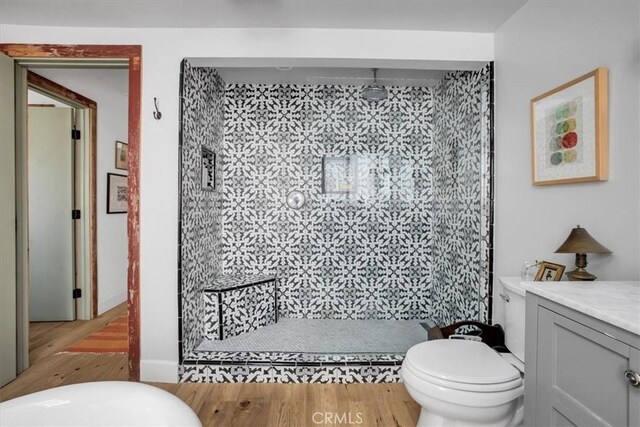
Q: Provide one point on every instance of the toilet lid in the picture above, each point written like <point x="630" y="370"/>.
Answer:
<point x="461" y="361"/>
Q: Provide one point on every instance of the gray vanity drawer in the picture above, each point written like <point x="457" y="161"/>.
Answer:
<point x="580" y="375"/>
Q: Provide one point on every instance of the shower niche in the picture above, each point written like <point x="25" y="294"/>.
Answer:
<point x="339" y="174"/>
<point x="392" y="233"/>
<point x="208" y="174"/>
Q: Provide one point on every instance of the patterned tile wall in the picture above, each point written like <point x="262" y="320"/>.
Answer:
<point x="361" y="255"/>
<point x="211" y="315"/>
<point x="201" y="126"/>
<point x="462" y="190"/>
<point x="412" y="242"/>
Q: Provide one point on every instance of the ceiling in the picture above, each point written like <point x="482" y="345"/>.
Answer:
<point x="329" y="76"/>
<point x="425" y="15"/>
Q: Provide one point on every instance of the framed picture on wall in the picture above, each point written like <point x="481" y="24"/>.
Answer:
<point x="117" y="192"/>
<point x="569" y="132"/>
<point x="122" y="155"/>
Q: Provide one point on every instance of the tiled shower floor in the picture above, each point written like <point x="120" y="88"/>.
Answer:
<point x="326" y="336"/>
<point x="308" y="351"/>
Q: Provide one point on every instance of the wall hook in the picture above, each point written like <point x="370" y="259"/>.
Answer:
<point x="156" y="114"/>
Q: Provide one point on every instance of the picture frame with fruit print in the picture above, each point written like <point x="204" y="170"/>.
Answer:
<point x="569" y="131"/>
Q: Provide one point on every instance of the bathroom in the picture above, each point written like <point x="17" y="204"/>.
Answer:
<point x="292" y="245"/>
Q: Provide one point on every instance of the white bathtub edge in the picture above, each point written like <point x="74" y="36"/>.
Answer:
<point x="159" y="371"/>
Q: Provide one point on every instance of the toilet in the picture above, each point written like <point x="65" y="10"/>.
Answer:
<point x="467" y="383"/>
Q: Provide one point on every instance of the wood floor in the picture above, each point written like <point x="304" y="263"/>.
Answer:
<point x="251" y="405"/>
<point x="48" y="369"/>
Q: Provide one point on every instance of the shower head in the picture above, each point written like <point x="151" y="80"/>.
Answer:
<point x="374" y="92"/>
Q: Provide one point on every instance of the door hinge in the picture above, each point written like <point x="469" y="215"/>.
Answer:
<point x="75" y="134"/>
<point x="75" y="214"/>
<point x="77" y="293"/>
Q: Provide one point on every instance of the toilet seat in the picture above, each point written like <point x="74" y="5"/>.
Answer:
<point x="462" y="365"/>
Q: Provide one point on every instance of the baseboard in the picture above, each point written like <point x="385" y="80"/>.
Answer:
<point x="111" y="302"/>
<point x="159" y="371"/>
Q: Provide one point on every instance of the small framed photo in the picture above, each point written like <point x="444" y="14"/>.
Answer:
<point x="208" y="172"/>
<point x="117" y="193"/>
<point x="549" y="272"/>
<point x="122" y="155"/>
<point x="339" y="174"/>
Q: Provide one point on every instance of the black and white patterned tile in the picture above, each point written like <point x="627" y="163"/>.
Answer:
<point x="201" y="127"/>
<point x="462" y="185"/>
<point x="289" y="374"/>
<point x="413" y="239"/>
<point x="211" y="320"/>
<point x="232" y="308"/>
<point x="359" y="255"/>
<point x="293" y="359"/>
<point x="248" y="308"/>
<point x="233" y="282"/>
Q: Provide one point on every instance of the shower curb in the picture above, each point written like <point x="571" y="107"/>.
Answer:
<point x="266" y="367"/>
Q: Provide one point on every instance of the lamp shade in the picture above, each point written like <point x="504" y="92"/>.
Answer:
<point x="581" y="242"/>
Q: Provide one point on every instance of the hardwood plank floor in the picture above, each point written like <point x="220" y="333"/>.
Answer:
<point x="250" y="405"/>
<point x="49" y="369"/>
<point x="298" y="405"/>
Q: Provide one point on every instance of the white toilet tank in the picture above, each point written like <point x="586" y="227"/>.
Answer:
<point x="512" y="299"/>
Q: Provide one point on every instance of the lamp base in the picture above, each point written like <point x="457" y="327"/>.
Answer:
<point x="580" y="274"/>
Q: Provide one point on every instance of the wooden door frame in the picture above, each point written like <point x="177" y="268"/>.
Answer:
<point x="50" y="87"/>
<point x="133" y="54"/>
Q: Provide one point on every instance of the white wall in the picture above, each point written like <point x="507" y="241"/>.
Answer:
<point x="102" y="86"/>
<point x="163" y="49"/>
<point x="544" y="45"/>
<point x="38" y="98"/>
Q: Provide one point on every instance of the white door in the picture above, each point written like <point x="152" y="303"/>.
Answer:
<point x="51" y="251"/>
<point x="7" y="223"/>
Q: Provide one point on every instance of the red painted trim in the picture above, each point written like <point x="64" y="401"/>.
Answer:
<point x="70" y="51"/>
<point x="134" y="54"/>
<point x="133" y="215"/>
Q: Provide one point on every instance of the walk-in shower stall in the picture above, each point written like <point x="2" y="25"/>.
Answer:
<point x="322" y="231"/>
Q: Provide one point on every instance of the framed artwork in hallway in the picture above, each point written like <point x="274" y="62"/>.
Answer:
<point x="569" y="132"/>
<point x="122" y="155"/>
<point x="117" y="193"/>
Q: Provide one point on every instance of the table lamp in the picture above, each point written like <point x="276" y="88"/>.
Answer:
<point x="581" y="243"/>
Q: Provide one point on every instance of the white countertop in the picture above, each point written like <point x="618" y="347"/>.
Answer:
<point x="617" y="303"/>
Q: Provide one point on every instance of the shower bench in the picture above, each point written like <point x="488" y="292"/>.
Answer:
<point x="234" y="305"/>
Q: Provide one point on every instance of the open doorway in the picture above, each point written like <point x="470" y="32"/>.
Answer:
<point x="100" y="97"/>
<point x="77" y="241"/>
<point x="80" y="141"/>
<point x="101" y="56"/>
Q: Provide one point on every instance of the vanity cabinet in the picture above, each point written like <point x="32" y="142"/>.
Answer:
<point x="579" y="370"/>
